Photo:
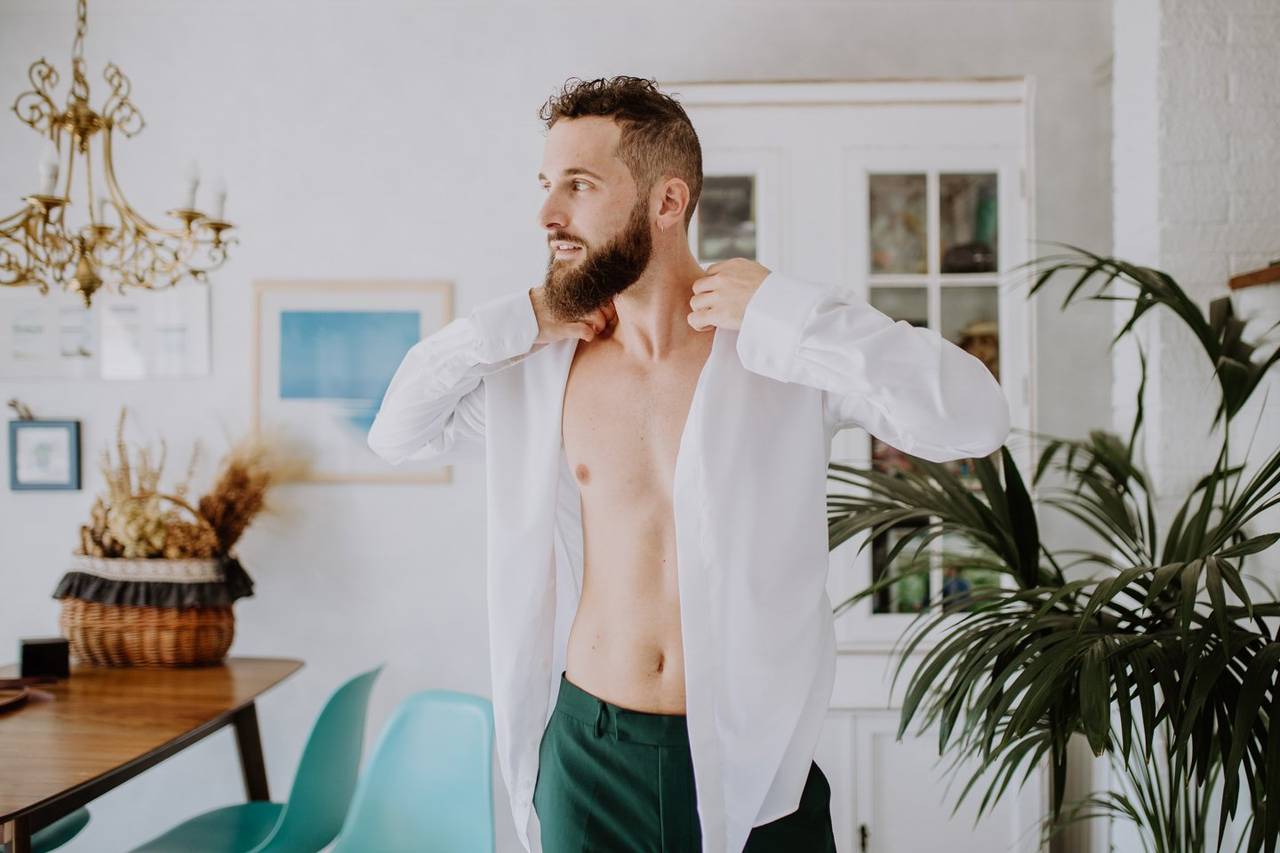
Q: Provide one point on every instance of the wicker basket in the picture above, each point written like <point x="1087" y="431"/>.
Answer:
<point x="150" y="612"/>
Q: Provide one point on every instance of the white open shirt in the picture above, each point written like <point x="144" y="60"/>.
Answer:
<point x="750" y="515"/>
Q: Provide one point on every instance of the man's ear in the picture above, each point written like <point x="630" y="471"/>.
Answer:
<point x="674" y="199"/>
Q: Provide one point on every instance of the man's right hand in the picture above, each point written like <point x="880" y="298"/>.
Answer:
<point x="598" y="322"/>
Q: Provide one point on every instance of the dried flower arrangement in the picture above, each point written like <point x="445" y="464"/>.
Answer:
<point x="136" y="519"/>
<point x="154" y="579"/>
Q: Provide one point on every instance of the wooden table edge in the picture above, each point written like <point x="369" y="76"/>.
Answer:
<point x="41" y="814"/>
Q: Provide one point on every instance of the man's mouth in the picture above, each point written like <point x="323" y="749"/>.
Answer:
<point x="566" y="250"/>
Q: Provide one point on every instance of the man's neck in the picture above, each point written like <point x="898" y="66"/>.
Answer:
<point x="653" y="312"/>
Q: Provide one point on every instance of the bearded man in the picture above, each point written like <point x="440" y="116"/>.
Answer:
<point x="657" y="437"/>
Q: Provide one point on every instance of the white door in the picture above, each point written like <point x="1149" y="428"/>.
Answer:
<point x="904" y="799"/>
<point x="914" y="197"/>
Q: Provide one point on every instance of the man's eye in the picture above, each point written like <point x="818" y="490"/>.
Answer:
<point x="546" y="187"/>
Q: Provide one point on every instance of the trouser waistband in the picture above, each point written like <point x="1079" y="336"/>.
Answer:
<point x="621" y="723"/>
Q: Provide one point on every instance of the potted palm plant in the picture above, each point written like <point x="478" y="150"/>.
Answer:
<point x="1149" y="644"/>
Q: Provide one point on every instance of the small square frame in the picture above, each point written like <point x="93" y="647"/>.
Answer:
<point x="72" y="431"/>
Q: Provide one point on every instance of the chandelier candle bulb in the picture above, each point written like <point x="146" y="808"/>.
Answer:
<point x="49" y="171"/>
<point x="219" y="200"/>
<point x="192" y="183"/>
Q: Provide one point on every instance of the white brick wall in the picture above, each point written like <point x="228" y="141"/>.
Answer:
<point x="1216" y="151"/>
<point x="1209" y="74"/>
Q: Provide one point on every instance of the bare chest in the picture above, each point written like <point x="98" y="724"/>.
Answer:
<point x="622" y="422"/>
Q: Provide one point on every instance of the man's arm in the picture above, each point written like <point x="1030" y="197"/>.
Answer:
<point x="433" y="408"/>
<point x="906" y="385"/>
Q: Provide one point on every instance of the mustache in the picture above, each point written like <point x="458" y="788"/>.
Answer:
<point x="573" y="290"/>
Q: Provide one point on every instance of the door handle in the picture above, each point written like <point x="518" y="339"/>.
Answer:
<point x="862" y="837"/>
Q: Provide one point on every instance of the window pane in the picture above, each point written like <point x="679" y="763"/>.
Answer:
<point x="970" y="320"/>
<point x="968" y="216"/>
<point x="965" y="569"/>
<point x="727" y="218"/>
<point x="897" y="222"/>
<point x="902" y="303"/>
<point x="910" y="594"/>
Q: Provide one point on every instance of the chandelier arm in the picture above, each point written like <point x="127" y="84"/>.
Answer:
<point x="68" y="174"/>
<point x="148" y="257"/>
<point x="53" y="250"/>
<point x="20" y="270"/>
<point x="88" y="182"/>
<point x="35" y="107"/>
<point x="13" y="219"/>
<point x="27" y="249"/>
<point x="119" y="110"/>
<point x="117" y="194"/>
<point x="13" y="269"/>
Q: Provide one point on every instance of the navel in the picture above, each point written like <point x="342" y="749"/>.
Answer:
<point x="581" y="472"/>
<point x="660" y="662"/>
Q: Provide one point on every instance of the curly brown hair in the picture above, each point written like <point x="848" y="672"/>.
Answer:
<point x="657" y="138"/>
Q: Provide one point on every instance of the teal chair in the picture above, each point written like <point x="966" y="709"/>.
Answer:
<point x="57" y="833"/>
<point x="428" y="787"/>
<point x="318" y="801"/>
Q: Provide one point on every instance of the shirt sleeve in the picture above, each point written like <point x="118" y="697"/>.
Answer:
<point x="433" y="408"/>
<point x="906" y="385"/>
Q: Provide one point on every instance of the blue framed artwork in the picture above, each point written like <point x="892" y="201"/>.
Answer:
<point x="325" y="353"/>
<point x="44" y="455"/>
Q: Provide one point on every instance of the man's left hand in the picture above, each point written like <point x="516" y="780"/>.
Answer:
<point x="720" y="297"/>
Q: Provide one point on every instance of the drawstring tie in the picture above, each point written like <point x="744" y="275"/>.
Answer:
<point x="600" y="722"/>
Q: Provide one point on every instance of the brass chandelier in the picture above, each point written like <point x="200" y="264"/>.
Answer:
<point x="39" y="247"/>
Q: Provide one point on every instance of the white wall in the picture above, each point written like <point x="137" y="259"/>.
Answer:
<point x="1197" y="177"/>
<point x="401" y="139"/>
<point x="1197" y="160"/>
<point x="1219" y="140"/>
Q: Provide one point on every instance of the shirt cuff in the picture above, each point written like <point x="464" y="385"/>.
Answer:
<point x="773" y="322"/>
<point x="507" y="326"/>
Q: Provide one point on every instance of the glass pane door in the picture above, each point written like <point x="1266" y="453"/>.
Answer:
<point x="932" y="259"/>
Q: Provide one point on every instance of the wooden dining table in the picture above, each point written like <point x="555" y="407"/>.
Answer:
<point x="77" y="738"/>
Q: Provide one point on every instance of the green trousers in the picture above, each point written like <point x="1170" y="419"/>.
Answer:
<point x="615" y="780"/>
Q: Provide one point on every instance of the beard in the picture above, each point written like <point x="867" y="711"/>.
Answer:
<point x="575" y="288"/>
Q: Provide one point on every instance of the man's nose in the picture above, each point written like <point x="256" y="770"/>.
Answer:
<point x="551" y="215"/>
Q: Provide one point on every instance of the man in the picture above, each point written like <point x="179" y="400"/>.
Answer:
<point x="657" y="437"/>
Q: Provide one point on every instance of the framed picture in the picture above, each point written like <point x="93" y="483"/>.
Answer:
<point x="155" y="335"/>
<point x="136" y="335"/>
<point x="44" y="455"/>
<point x="324" y="354"/>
